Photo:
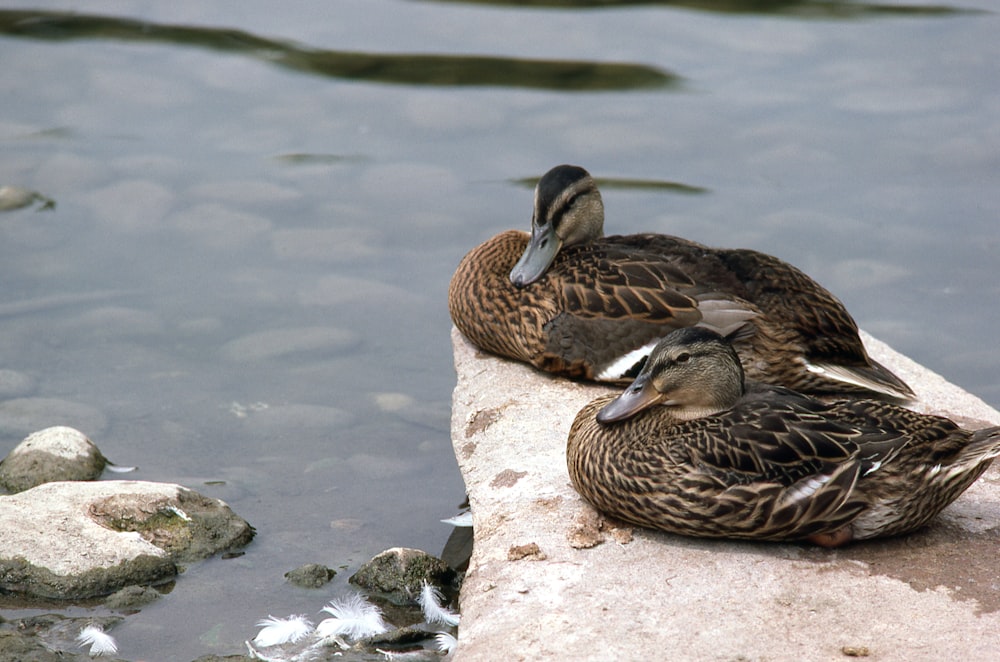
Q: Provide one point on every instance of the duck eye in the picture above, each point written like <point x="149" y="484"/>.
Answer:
<point x="682" y="358"/>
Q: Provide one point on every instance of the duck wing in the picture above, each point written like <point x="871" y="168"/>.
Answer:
<point x="826" y="333"/>
<point x="770" y="439"/>
<point x="784" y="467"/>
<point x="796" y="309"/>
<point x="615" y="303"/>
<point x="609" y="282"/>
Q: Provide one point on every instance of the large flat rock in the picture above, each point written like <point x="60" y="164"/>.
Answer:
<point x="72" y="540"/>
<point x="540" y="585"/>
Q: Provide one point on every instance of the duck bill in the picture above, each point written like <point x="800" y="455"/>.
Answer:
<point x="537" y="257"/>
<point x="638" y="396"/>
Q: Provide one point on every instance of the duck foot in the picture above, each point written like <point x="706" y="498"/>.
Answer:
<point x="836" y="538"/>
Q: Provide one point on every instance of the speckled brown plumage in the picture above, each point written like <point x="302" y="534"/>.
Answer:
<point x="601" y="300"/>
<point x="586" y="311"/>
<point x="771" y="464"/>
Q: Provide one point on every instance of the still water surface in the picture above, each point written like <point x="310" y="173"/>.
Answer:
<point x="242" y="287"/>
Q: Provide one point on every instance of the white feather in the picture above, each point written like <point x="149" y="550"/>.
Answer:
<point x="118" y="469"/>
<point x="617" y="368"/>
<point x="353" y="617"/>
<point x="464" y="519"/>
<point x="446" y="642"/>
<point x="100" y="642"/>
<point x="430" y="602"/>
<point x="282" y="630"/>
<point x="875" y="467"/>
<point x="180" y="513"/>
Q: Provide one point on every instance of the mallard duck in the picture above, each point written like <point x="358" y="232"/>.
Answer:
<point x="691" y="447"/>
<point x="570" y="301"/>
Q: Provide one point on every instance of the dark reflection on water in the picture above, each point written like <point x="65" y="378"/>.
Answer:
<point x="798" y="8"/>
<point x="409" y="69"/>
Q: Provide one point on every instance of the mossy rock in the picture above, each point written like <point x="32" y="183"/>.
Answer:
<point x="310" y="575"/>
<point x="399" y="573"/>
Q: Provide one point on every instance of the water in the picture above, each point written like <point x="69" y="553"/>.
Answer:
<point x="243" y="285"/>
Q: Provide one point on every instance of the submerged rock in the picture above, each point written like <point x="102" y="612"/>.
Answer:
<point x="310" y="575"/>
<point x="399" y="574"/>
<point x="49" y="637"/>
<point x="74" y="540"/>
<point x="16" y="197"/>
<point x="49" y="455"/>
<point x="299" y="341"/>
<point x="15" y="645"/>
<point x="131" y="597"/>
<point x="14" y="384"/>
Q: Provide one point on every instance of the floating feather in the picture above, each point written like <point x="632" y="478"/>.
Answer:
<point x="282" y="630"/>
<point x="100" y="642"/>
<point x="462" y="519"/>
<point x="430" y="601"/>
<point x="446" y="642"/>
<point x="353" y="617"/>
<point x="119" y="469"/>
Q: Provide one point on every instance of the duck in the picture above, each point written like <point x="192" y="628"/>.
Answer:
<point x="692" y="447"/>
<point x="570" y="301"/>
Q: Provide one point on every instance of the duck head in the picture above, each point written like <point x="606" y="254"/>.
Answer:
<point x="694" y="371"/>
<point x="568" y="210"/>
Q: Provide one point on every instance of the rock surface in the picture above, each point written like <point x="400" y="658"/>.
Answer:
<point x="550" y="579"/>
<point x="73" y="540"/>
<point x="49" y="638"/>
<point x="53" y="454"/>
<point x="310" y="575"/>
<point x="399" y="573"/>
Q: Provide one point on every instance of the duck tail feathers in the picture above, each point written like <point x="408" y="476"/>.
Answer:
<point x="983" y="445"/>
<point x="875" y="378"/>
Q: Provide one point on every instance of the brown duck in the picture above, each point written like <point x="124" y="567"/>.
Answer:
<point x="573" y="302"/>
<point x="691" y="448"/>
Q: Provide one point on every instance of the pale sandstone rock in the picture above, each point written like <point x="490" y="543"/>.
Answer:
<point x="73" y="540"/>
